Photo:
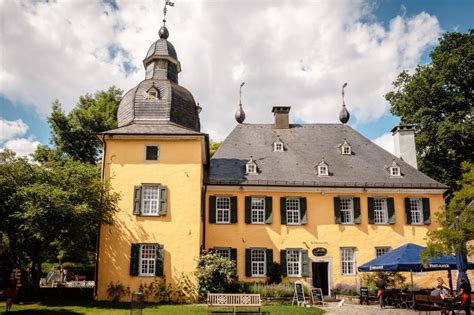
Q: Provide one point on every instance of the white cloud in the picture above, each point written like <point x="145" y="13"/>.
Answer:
<point x="287" y="55"/>
<point x="22" y="146"/>
<point x="385" y="141"/>
<point x="10" y="129"/>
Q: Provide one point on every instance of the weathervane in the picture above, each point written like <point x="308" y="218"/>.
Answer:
<point x="343" y="86"/>
<point x="165" y="10"/>
<point x="240" y="92"/>
<point x="344" y="114"/>
<point x="240" y="114"/>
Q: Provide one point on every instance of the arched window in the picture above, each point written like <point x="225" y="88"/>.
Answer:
<point x="323" y="168"/>
<point x="153" y="93"/>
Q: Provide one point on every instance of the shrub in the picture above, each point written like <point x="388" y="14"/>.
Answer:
<point x="270" y="290"/>
<point x="186" y="290"/>
<point x="158" y="289"/>
<point x="116" y="291"/>
<point x="346" y="289"/>
<point x="215" y="274"/>
<point x="274" y="273"/>
<point x="392" y="279"/>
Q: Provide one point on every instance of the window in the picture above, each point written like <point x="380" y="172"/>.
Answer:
<point x="223" y="252"/>
<point x="150" y="200"/>
<point x="258" y="210"/>
<point x="395" y="171"/>
<point x="153" y="93"/>
<point x="278" y="146"/>
<point x="322" y="170"/>
<point x="416" y="210"/>
<point x="293" y="262"/>
<point x="152" y="153"/>
<point x="347" y="210"/>
<point x="147" y="260"/>
<point x="293" y="210"/>
<point x="379" y="251"/>
<point x="380" y="211"/>
<point x="222" y="210"/>
<point x="346" y="150"/>
<point x="258" y="258"/>
<point x="348" y="261"/>
<point x="251" y="167"/>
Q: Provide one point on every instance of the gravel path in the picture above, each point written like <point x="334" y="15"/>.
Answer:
<point x="356" y="309"/>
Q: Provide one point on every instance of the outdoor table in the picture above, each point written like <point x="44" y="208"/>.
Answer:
<point x="405" y="300"/>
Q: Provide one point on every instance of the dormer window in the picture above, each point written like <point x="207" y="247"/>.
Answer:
<point x="278" y="146"/>
<point x="251" y="167"/>
<point x="323" y="168"/>
<point x="395" y="170"/>
<point x="153" y="93"/>
<point x="346" y="148"/>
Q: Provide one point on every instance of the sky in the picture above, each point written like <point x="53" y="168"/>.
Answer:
<point x="288" y="53"/>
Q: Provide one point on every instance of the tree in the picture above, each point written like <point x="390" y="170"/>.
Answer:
<point x="213" y="146"/>
<point x="74" y="134"/>
<point x="439" y="100"/>
<point x="215" y="274"/>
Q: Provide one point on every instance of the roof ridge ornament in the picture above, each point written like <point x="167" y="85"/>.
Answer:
<point x="344" y="113"/>
<point x="163" y="32"/>
<point x="240" y="114"/>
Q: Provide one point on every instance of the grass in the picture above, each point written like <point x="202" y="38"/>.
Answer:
<point x="106" y="308"/>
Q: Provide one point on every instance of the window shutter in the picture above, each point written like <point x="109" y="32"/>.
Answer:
<point x="407" y="210"/>
<point x="269" y="258"/>
<point x="134" y="259"/>
<point x="212" y="209"/>
<point x="163" y="198"/>
<point x="248" y="210"/>
<point x="370" y="207"/>
<point x="268" y="210"/>
<point x="426" y="211"/>
<point x="304" y="263"/>
<point x="337" y="210"/>
<point x="391" y="211"/>
<point x="283" y="262"/>
<point x="248" y="262"/>
<point x="159" y="261"/>
<point x="233" y="209"/>
<point x="137" y="199"/>
<point x="303" y="212"/>
<point x="233" y="255"/>
<point x="356" y="202"/>
<point x="283" y="210"/>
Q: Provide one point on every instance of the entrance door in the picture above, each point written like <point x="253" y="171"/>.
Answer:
<point x="320" y="276"/>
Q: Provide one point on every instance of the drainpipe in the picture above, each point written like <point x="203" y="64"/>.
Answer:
<point x="96" y="272"/>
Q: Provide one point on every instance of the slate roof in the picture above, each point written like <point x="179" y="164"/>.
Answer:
<point x="152" y="129"/>
<point x="162" y="47"/>
<point x="305" y="145"/>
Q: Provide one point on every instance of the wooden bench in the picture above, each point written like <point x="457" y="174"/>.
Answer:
<point x="234" y="300"/>
<point x="428" y="303"/>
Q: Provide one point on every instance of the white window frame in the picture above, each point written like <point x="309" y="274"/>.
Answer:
<point x="278" y="147"/>
<point x="223" y="252"/>
<point x="256" y="265"/>
<point x="251" y="168"/>
<point x="381" y="250"/>
<point x="380" y="210"/>
<point x="151" y="261"/>
<point x="395" y="171"/>
<point x="291" y="265"/>
<point x="416" y="213"/>
<point x="323" y="170"/>
<point x="257" y="211"/>
<point x="154" y="204"/>
<point x="350" y="211"/>
<point x="150" y="92"/>
<point x="225" y="211"/>
<point x="293" y="211"/>
<point x="348" y="262"/>
<point x="343" y="150"/>
<point x="157" y="154"/>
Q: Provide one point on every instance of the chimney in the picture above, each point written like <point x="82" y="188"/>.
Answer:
<point x="404" y="140"/>
<point x="281" y="117"/>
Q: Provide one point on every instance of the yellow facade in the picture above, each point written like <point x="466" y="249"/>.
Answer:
<point x="321" y="229"/>
<point x="180" y="169"/>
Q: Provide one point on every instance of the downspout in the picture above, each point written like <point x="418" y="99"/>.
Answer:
<point x="203" y="198"/>
<point x="96" y="273"/>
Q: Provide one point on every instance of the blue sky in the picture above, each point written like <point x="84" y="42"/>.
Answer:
<point x="64" y="49"/>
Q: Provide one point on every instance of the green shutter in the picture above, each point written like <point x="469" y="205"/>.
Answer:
<point x="212" y="209"/>
<point x="137" y="199"/>
<point x="356" y="202"/>
<point x="163" y="200"/>
<point x="426" y="210"/>
<point x="268" y="210"/>
<point x="233" y="209"/>
<point x="370" y="207"/>
<point x="337" y="210"/>
<point x="233" y="255"/>
<point x="134" y="259"/>
<point x="304" y="263"/>
<point x="269" y="257"/>
<point x="391" y="211"/>
<point x="159" y="261"/>
<point x="248" y="210"/>
<point x="248" y="262"/>
<point x="407" y="210"/>
<point x="283" y="210"/>
<point x="283" y="262"/>
<point x="303" y="211"/>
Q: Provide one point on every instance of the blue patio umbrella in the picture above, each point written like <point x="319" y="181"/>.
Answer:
<point x="462" y="266"/>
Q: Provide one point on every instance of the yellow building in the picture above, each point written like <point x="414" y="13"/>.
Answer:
<point x="319" y="199"/>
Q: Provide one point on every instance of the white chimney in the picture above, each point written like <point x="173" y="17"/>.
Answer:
<point x="404" y="140"/>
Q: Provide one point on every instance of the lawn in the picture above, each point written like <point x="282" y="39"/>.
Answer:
<point x="105" y="308"/>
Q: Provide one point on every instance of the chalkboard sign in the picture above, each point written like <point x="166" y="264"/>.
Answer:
<point x="364" y="295"/>
<point x="299" y="294"/>
<point x="317" y="296"/>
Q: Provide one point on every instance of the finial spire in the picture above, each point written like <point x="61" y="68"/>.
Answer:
<point x="344" y="113"/>
<point x="163" y="32"/>
<point x="240" y="114"/>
